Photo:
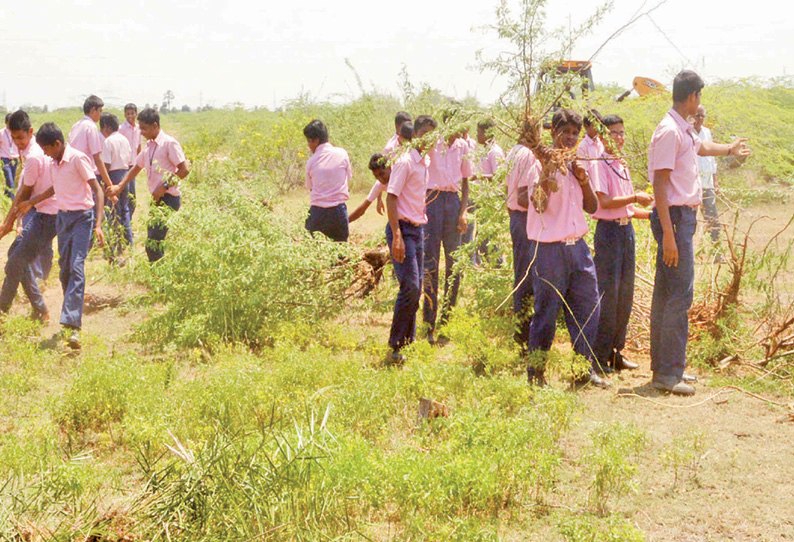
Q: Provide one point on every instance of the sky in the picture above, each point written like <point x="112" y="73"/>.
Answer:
<point x="217" y="52"/>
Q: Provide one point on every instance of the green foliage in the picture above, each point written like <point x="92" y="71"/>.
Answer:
<point x="594" y="529"/>
<point x="612" y="458"/>
<point x="684" y="454"/>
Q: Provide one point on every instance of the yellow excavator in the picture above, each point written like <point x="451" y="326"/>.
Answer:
<point x="644" y="86"/>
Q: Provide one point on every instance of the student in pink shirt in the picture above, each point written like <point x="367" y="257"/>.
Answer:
<point x="562" y="270"/>
<point x="405" y="204"/>
<point x="85" y="137"/>
<point x="116" y="155"/>
<point x="591" y="147"/>
<point x="165" y="165"/>
<point x="404" y="133"/>
<point x="9" y="154"/>
<point x="80" y="203"/>
<point x="378" y="165"/>
<point x="132" y="132"/>
<point x="614" y="249"/>
<point x="447" y="201"/>
<point x="32" y="201"/>
<point x="328" y="172"/>
<point x="673" y="167"/>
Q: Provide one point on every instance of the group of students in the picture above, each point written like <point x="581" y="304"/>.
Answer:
<point x="426" y="180"/>
<point x="63" y="191"/>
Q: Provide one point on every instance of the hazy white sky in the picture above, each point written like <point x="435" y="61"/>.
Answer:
<point x="56" y="52"/>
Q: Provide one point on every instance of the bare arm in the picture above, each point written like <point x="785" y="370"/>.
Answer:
<point x="103" y="171"/>
<point x="736" y="148"/>
<point x="397" y="246"/>
<point x="129" y="176"/>
<point x="661" y="178"/>
<point x="523" y="196"/>
<point x="589" y="199"/>
<point x="360" y="210"/>
<point x="616" y="202"/>
<point x="99" y="204"/>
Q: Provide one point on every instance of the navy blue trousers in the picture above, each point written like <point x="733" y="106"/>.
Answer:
<point x="522" y="282"/>
<point x="443" y="211"/>
<point x="158" y="229"/>
<point x="37" y="234"/>
<point x="564" y="277"/>
<point x="331" y="222"/>
<point x="673" y="290"/>
<point x="409" y="276"/>
<point x="614" y="262"/>
<point x="74" y="240"/>
<point x="118" y="216"/>
<point x="41" y="264"/>
<point x="10" y="172"/>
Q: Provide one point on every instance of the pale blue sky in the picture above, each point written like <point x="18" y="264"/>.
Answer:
<point x="261" y="53"/>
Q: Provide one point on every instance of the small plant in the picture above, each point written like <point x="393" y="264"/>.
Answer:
<point x="685" y="454"/>
<point x="594" y="529"/>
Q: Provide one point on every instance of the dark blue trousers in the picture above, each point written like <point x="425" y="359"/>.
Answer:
<point x="118" y="216"/>
<point x="522" y="282"/>
<point x="614" y="262"/>
<point x="409" y="276"/>
<point x="74" y="240"/>
<point x="41" y="264"/>
<point x="331" y="222"/>
<point x="37" y="234"/>
<point x="564" y="277"/>
<point x="158" y="227"/>
<point x="10" y="173"/>
<point x="443" y="211"/>
<point x="673" y="290"/>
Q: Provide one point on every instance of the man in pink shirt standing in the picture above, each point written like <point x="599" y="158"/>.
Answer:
<point x="9" y="154"/>
<point x="165" y="165"/>
<point x="448" y="174"/>
<point x="117" y="155"/>
<point x="405" y="205"/>
<point x="591" y="147"/>
<point x="132" y="132"/>
<point x="614" y="249"/>
<point x="32" y="200"/>
<point x="563" y="273"/>
<point x="673" y="166"/>
<point x="85" y="137"/>
<point x="80" y="203"/>
<point x="328" y="172"/>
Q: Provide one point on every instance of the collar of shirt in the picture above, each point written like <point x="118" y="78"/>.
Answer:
<point x="682" y="123"/>
<point x="68" y="154"/>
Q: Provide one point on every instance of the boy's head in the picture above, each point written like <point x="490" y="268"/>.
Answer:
<point x="92" y="107"/>
<point x="50" y="139"/>
<point x="149" y="122"/>
<point x="698" y="118"/>
<point x="378" y="165"/>
<point x="400" y="118"/>
<point x="316" y="134"/>
<point x="131" y="113"/>
<point x="686" y="91"/>
<point x="423" y="125"/>
<point x="566" y="125"/>
<point x="108" y="123"/>
<point x="406" y="131"/>
<point x="589" y="123"/>
<point x="484" y="131"/>
<point x="21" y="130"/>
<point x="617" y="131"/>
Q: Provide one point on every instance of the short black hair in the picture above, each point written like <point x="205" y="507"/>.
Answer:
<point x="422" y="121"/>
<point x="685" y="83"/>
<point x="591" y="115"/>
<point x="92" y="102"/>
<point x="48" y="134"/>
<point x="18" y="120"/>
<point x="407" y="130"/>
<point x="402" y="116"/>
<point x="8" y="116"/>
<point x="377" y="161"/>
<point x="149" y="116"/>
<point x="485" y="124"/>
<point x="609" y="120"/>
<point x="108" y="120"/>
<point x="566" y="116"/>
<point x="130" y="106"/>
<point x="316" y="130"/>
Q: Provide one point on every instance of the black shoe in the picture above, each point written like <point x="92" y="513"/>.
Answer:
<point x="672" y="384"/>
<point x="622" y="364"/>
<point x="396" y="358"/>
<point x="536" y="377"/>
<point x="592" y="379"/>
<point x="73" y="339"/>
<point x="430" y="338"/>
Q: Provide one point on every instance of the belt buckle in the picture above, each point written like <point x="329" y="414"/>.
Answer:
<point x="570" y="242"/>
<point x="623" y="221"/>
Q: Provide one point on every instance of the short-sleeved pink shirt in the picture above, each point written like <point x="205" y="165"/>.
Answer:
<point x="523" y="169"/>
<point x="449" y="164"/>
<point x="564" y="217"/>
<point x="8" y="148"/>
<point x="376" y="190"/>
<point x="116" y="151"/>
<point x="590" y="150"/>
<point x="328" y="172"/>
<point x="675" y="146"/>
<point x="133" y="135"/>
<point x="613" y="180"/>
<point x="37" y="173"/>
<point x="161" y="155"/>
<point x="85" y="137"/>
<point x="408" y="181"/>
<point x="492" y="160"/>
<point x="71" y="180"/>
<point x="391" y="145"/>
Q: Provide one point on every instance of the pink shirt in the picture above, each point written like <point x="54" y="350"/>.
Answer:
<point x="37" y="173"/>
<point x="590" y="149"/>
<point x="8" y="148"/>
<point x="376" y="190"/>
<point x="133" y="135"/>
<point x="613" y="180"/>
<point x="391" y="145"/>
<point x="328" y="171"/>
<point x="564" y="218"/>
<point x="408" y="181"/>
<point x="448" y="165"/>
<point x="675" y="146"/>
<point x="161" y="155"/>
<point x="70" y="178"/>
<point x="116" y="151"/>
<point x="492" y="160"/>
<point x="523" y="169"/>
<point x="85" y="137"/>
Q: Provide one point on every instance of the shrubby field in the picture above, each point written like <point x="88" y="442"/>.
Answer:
<point x="239" y="390"/>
